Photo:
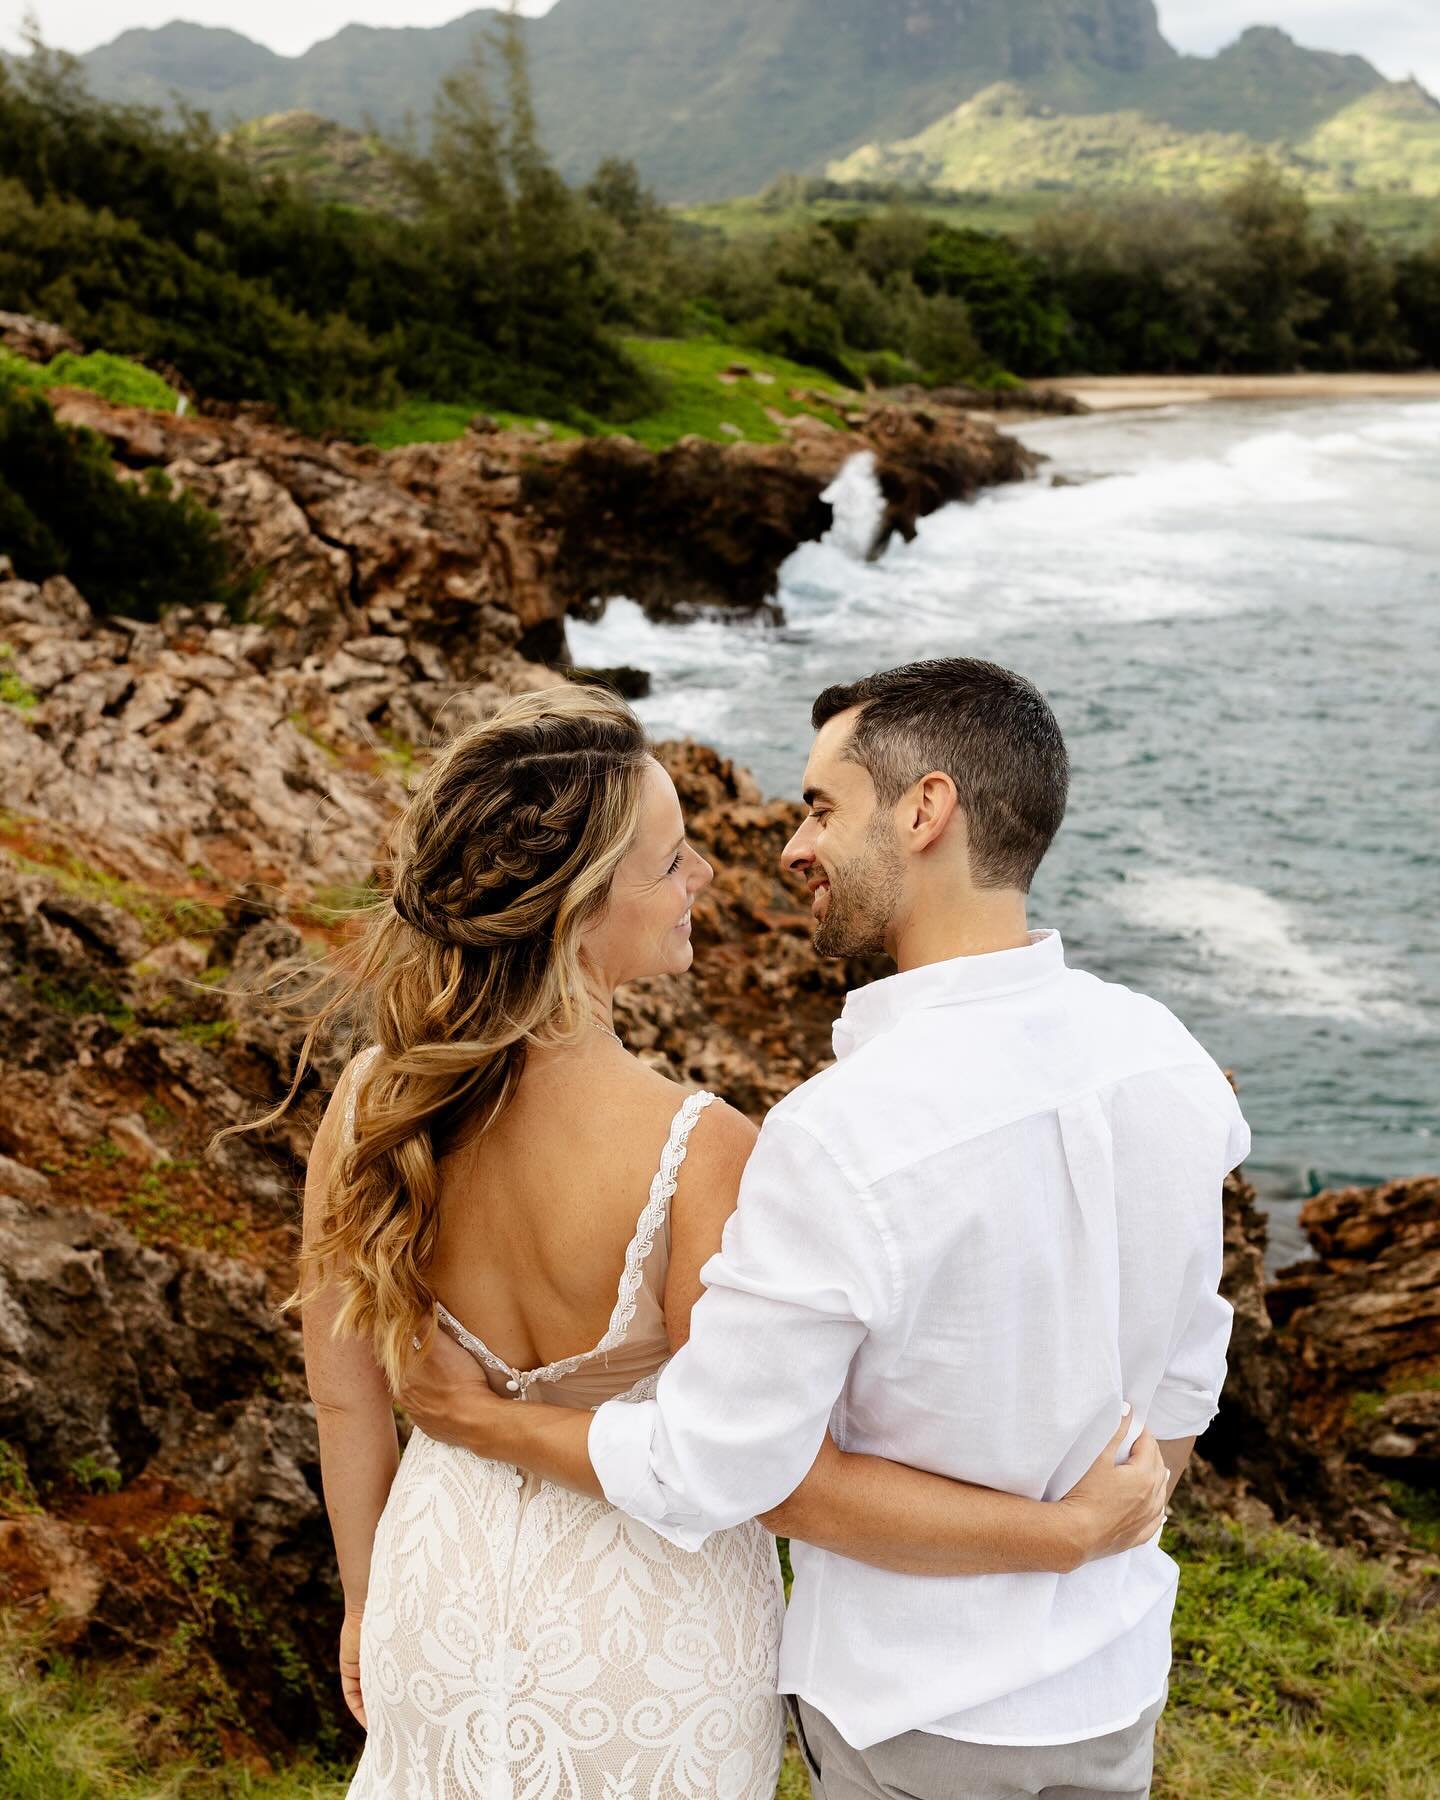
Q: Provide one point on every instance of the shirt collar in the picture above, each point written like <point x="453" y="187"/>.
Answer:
<point x="871" y="1010"/>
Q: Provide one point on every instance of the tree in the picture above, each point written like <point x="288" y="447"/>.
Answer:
<point x="1271" y="258"/>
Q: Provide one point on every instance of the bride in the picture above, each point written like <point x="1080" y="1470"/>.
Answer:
<point x="497" y="1166"/>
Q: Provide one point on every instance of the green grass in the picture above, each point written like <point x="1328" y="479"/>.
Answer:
<point x="697" y="401"/>
<point x="112" y="377"/>
<point x="14" y="691"/>
<point x="1298" y="1673"/>
<point x="1010" y="213"/>
<point x="439" y="421"/>
<point x="70" y="1733"/>
<point x="1396" y="218"/>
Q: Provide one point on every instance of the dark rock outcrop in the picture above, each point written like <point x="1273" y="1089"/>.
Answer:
<point x="158" y="1401"/>
<point x="1362" y="1321"/>
<point x="706" y="526"/>
<point x="481" y="546"/>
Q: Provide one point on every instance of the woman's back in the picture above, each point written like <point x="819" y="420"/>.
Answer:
<point x="536" y="1216"/>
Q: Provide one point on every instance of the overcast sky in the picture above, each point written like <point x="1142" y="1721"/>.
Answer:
<point x="1400" y="36"/>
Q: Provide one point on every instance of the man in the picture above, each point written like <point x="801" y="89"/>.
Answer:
<point x="994" y="1220"/>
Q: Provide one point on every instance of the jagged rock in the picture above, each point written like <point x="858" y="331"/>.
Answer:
<point x="167" y="1377"/>
<point x="705" y="526"/>
<point x="1404" y="1437"/>
<point x="37" y="339"/>
<point x="1260" y="1460"/>
<point x="1365" y="1315"/>
<point x="483" y="545"/>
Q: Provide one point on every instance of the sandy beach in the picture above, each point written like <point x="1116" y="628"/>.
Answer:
<point x="1112" y="393"/>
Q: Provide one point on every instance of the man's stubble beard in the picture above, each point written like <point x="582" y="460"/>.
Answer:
<point x="864" y="898"/>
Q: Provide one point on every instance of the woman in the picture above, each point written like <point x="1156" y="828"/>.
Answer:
<point x="480" y="1169"/>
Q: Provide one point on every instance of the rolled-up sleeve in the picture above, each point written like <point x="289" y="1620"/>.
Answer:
<point x="741" y="1411"/>
<point x="1188" y="1396"/>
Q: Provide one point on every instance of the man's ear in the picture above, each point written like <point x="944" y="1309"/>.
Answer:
<point x="931" y="807"/>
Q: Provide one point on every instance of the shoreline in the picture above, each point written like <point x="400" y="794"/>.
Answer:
<point x="1117" y="393"/>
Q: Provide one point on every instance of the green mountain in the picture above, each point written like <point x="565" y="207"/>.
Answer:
<point x="1005" y="140"/>
<point x="1389" y="141"/>
<point x="716" y="97"/>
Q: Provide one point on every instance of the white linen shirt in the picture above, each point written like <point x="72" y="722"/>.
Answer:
<point x="995" y="1219"/>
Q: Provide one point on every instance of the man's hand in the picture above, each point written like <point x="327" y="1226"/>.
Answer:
<point x="1119" y="1506"/>
<point x="448" y="1397"/>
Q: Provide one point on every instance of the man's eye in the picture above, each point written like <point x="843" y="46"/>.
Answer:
<point x="676" y="864"/>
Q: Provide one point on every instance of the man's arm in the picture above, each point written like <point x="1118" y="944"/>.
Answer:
<point x="1177" y="1453"/>
<point x="742" y="1410"/>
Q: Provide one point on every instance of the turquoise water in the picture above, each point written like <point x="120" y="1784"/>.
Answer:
<point x="1235" y="617"/>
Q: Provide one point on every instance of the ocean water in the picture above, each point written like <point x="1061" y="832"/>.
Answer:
<point x="1235" y="613"/>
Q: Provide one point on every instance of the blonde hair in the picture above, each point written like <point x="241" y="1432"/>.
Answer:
<point x="505" y="853"/>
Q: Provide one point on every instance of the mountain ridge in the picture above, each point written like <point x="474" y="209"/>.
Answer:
<point x="716" y="97"/>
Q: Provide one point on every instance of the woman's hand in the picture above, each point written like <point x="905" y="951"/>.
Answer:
<point x="1118" y="1506"/>
<point x="350" y="1665"/>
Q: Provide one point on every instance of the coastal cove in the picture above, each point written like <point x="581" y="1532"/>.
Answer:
<point x="1231" y="607"/>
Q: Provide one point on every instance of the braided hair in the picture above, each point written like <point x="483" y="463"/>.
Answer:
<point x="505" y="854"/>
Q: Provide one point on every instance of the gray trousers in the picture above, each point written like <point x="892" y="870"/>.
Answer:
<point x="922" y="1766"/>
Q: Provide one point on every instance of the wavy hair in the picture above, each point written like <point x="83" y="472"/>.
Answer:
<point x="506" y="852"/>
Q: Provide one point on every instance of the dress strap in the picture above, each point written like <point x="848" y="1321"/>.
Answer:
<point x="662" y="1192"/>
<point x="361" y="1063"/>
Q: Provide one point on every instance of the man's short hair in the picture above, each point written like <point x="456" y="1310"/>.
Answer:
<point x="991" y="731"/>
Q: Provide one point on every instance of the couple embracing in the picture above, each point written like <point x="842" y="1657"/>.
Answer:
<point x="916" y="1325"/>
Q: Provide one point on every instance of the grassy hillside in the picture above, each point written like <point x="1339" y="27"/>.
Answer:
<point x="1008" y="140"/>
<point x="1004" y="139"/>
<point x="1388" y="141"/>
<point x="333" y="163"/>
<point x="713" y="390"/>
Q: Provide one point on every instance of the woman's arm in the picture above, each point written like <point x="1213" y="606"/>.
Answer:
<point x="359" y="1446"/>
<point x="886" y="1513"/>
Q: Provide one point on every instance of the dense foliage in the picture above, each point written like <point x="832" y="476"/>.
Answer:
<point x="153" y="242"/>
<point x="503" y="287"/>
<point x="130" y="548"/>
<point x="1251" y="281"/>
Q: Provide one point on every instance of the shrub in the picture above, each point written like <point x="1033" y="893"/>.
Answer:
<point x="130" y="548"/>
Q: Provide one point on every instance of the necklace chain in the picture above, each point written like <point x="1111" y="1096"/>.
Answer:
<point x="608" y="1032"/>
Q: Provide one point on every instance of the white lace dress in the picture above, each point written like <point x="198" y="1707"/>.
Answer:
<point x="520" y="1640"/>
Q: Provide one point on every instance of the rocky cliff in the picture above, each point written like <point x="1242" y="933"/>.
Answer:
<point x="191" y="803"/>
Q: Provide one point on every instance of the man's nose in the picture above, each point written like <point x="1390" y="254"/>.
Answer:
<point x="797" y="856"/>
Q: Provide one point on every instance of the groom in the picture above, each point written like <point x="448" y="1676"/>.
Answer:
<point x="993" y="1221"/>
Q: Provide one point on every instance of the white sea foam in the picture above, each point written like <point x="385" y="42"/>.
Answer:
<point x="1253" y="945"/>
<point x="858" y="505"/>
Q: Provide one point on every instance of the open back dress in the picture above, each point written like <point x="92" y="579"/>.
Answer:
<point x="523" y="1641"/>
